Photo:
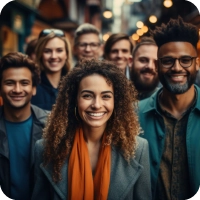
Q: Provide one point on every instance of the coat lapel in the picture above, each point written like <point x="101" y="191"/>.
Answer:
<point x="4" y="149"/>
<point x="61" y="187"/>
<point x="122" y="179"/>
<point x="123" y="175"/>
<point x="36" y="134"/>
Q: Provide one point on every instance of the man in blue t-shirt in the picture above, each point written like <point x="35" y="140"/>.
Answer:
<point x="21" y="124"/>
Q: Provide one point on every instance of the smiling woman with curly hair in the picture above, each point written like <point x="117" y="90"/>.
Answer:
<point x="90" y="147"/>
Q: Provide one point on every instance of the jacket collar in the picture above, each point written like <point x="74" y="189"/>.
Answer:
<point x="121" y="172"/>
<point x="151" y="102"/>
<point x="36" y="133"/>
<point x="197" y="106"/>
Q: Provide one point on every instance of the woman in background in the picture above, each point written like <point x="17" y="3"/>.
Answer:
<point x="53" y="55"/>
<point x="90" y="148"/>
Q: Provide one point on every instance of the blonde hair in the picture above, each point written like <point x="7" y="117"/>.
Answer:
<point x="41" y="45"/>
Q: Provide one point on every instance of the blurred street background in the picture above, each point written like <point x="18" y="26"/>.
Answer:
<point x="22" y="20"/>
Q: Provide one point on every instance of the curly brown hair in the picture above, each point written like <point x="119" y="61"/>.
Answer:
<point x="122" y="127"/>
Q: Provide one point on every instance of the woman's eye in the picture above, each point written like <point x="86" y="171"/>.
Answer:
<point x="46" y="51"/>
<point x="106" y="96"/>
<point x="86" y="95"/>
<point x="60" y="50"/>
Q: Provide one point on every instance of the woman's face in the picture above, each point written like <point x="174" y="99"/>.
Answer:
<point x="54" y="55"/>
<point x="95" y="101"/>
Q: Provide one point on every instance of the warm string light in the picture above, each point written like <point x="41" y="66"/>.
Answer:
<point x="107" y="14"/>
<point x="167" y="3"/>
<point x="106" y="36"/>
<point x="139" y="24"/>
<point x="135" y="36"/>
<point x="153" y="19"/>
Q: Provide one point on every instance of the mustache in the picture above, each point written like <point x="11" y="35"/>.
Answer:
<point x="177" y="73"/>
<point x="148" y="70"/>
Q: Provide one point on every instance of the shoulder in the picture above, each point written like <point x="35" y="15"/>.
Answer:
<point x="39" y="146"/>
<point x="148" y="104"/>
<point x="141" y="144"/>
<point x="39" y="113"/>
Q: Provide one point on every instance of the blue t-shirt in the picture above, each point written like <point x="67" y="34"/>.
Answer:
<point x="19" y="141"/>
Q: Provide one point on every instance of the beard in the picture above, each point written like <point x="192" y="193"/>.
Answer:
<point x="177" y="88"/>
<point x="142" y="85"/>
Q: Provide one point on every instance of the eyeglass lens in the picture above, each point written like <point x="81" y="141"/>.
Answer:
<point x="91" y="45"/>
<point x="185" y="61"/>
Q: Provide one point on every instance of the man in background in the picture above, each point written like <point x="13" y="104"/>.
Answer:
<point x="143" y="69"/>
<point x="21" y="124"/>
<point x="118" y="49"/>
<point x="170" y="117"/>
<point x="87" y="42"/>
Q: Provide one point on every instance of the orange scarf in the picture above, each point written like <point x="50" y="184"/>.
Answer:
<point x="81" y="184"/>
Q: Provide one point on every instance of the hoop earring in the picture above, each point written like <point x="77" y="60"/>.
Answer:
<point x="75" y="113"/>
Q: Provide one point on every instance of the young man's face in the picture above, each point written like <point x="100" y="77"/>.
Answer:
<point x="120" y="53"/>
<point x="143" y="69"/>
<point x="177" y="79"/>
<point x="16" y="87"/>
<point x="88" y="46"/>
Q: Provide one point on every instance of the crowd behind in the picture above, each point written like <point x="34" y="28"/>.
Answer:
<point x="102" y="121"/>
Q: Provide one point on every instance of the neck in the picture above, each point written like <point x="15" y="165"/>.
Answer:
<point x="15" y="114"/>
<point x="54" y="78"/>
<point x="93" y="135"/>
<point x="145" y="94"/>
<point x="177" y="104"/>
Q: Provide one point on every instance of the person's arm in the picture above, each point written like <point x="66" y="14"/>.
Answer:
<point x="142" y="188"/>
<point x="41" y="190"/>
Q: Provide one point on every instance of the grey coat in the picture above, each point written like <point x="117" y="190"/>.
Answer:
<point x="127" y="181"/>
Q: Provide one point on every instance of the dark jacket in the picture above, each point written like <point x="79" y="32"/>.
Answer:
<point x="46" y="94"/>
<point x="154" y="131"/>
<point x="127" y="181"/>
<point x="39" y="119"/>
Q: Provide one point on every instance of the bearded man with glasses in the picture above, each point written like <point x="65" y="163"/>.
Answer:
<point x="170" y="118"/>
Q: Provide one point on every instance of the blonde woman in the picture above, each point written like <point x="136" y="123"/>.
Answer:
<point x="53" y="55"/>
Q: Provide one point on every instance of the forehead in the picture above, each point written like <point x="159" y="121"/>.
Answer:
<point x="95" y="82"/>
<point x="176" y="49"/>
<point x="17" y="74"/>
<point x="88" y="38"/>
<point x="55" y="43"/>
<point x="147" y="51"/>
<point x="121" y="44"/>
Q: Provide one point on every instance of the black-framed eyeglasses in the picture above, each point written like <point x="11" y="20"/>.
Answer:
<point x="184" y="61"/>
<point x="57" y="32"/>
<point x="93" y="45"/>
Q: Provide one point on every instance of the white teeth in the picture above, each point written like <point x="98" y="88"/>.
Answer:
<point x="96" y="114"/>
<point x="178" y="76"/>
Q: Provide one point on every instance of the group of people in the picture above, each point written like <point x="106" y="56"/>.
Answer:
<point x="121" y="127"/>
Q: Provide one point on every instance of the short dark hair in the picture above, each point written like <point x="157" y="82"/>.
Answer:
<point x="176" y="30"/>
<point x="84" y="29"/>
<point x="18" y="60"/>
<point x="30" y="49"/>
<point x="144" y="41"/>
<point x="113" y="39"/>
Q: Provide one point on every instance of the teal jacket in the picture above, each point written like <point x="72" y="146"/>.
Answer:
<point x="128" y="181"/>
<point x="152" y="124"/>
